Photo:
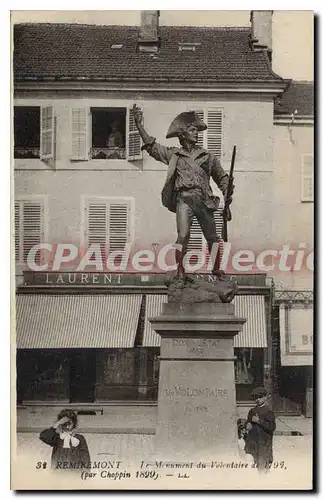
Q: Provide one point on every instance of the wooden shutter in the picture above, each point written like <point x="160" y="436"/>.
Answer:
<point x="307" y="178"/>
<point x="32" y="227"/>
<point x="47" y="132"/>
<point x="218" y="216"/>
<point x="29" y="228"/>
<point x="215" y="132"/>
<point x="119" y="225"/>
<point x="97" y="225"/>
<point x="108" y="224"/>
<point x="134" y="142"/>
<point x="201" y="135"/>
<point x="196" y="237"/>
<point x="18" y="231"/>
<point x="79" y="133"/>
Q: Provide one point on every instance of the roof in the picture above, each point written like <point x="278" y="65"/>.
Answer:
<point x="74" y="51"/>
<point x="300" y="96"/>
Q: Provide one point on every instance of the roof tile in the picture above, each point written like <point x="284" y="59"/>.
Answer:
<point x="84" y="51"/>
<point x="300" y="96"/>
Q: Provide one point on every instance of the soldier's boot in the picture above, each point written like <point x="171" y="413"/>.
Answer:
<point x="219" y="273"/>
<point x="179" y="254"/>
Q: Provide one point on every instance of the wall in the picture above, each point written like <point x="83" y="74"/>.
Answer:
<point x="247" y="123"/>
<point x="292" y="221"/>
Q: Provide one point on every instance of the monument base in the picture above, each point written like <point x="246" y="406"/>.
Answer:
<point x="196" y="418"/>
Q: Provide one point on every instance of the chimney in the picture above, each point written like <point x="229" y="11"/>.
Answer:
<point x="261" y="24"/>
<point x="148" y="39"/>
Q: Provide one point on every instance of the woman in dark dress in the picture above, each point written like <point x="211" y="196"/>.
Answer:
<point x="260" y="426"/>
<point x="70" y="449"/>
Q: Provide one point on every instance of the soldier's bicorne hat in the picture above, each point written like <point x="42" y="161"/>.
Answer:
<point x="184" y="120"/>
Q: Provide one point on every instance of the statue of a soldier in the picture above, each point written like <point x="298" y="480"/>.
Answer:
<point x="187" y="190"/>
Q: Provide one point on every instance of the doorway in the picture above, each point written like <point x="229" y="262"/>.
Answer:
<point x="82" y="375"/>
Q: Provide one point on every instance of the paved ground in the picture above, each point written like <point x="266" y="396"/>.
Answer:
<point x="133" y="419"/>
<point x="127" y="433"/>
<point x="292" y="461"/>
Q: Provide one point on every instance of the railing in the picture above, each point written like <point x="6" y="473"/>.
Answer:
<point x="108" y="153"/>
<point x="26" y="152"/>
<point x="294" y="295"/>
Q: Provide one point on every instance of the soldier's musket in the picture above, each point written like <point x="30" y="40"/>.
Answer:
<point x="227" y="216"/>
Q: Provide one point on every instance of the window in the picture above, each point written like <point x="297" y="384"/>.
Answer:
<point x="34" y="132"/>
<point x="26" y="132"/>
<point x="108" y="133"/>
<point x="212" y="138"/>
<point x="42" y="375"/>
<point x="188" y="46"/>
<point x="29" y="228"/>
<point x="307" y="178"/>
<point x="249" y="371"/>
<point x="104" y="134"/>
<point x="108" y="224"/>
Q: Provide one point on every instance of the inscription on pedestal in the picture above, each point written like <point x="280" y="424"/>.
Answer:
<point x="196" y="348"/>
<point x="196" y="416"/>
<point x="196" y="406"/>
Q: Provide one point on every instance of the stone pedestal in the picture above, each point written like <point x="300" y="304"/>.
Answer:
<point x="196" y="416"/>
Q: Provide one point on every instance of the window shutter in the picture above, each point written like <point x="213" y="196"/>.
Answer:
<point x="201" y="135"/>
<point x="307" y="178"/>
<point x="119" y="225"/>
<point x="79" y="133"/>
<point x="215" y="132"/>
<point x="32" y="227"/>
<point x="218" y="216"/>
<point x="134" y="142"/>
<point x="97" y="218"/>
<point x="47" y="133"/>
<point x="108" y="224"/>
<point x="196" y="237"/>
<point x="18" y="232"/>
<point x="29" y="228"/>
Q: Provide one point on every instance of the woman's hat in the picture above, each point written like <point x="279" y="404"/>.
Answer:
<point x="182" y="121"/>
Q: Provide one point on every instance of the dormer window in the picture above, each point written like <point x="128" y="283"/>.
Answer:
<point x="188" y="46"/>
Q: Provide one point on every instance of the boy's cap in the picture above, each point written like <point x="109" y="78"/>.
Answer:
<point x="259" y="392"/>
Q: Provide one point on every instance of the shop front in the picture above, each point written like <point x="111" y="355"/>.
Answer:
<point x="293" y="335"/>
<point x="95" y="345"/>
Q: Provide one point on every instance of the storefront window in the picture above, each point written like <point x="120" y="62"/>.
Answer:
<point x="42" y="375"/>
<point x="125" y="374"/>
<point x="249" y="371"/>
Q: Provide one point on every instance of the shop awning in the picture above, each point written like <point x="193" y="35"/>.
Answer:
<point x="154" y="306"/>
<point x="252" y="307"/>
<point x="76" y="321"/>
<point x="254" y="332"/>
<point x="296" y="334"/>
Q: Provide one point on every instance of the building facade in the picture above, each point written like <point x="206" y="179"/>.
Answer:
<point x="293" y="223"/>
<point x="81" y="179"/>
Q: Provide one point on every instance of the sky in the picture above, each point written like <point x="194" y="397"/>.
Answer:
<point x="292" y="30"/>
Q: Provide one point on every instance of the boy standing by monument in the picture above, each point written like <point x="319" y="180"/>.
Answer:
<point x="260" y="426"/>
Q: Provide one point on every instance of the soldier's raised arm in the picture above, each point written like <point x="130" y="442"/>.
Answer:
<point x="157" y="151"/>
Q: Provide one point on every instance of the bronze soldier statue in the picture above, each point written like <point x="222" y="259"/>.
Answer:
<point x="187" y="190"/>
